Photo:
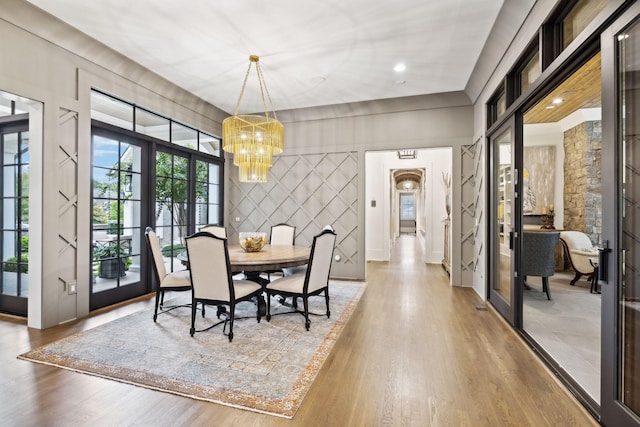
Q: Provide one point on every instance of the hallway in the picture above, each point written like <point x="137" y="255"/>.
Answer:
<point x="415" y="352"/>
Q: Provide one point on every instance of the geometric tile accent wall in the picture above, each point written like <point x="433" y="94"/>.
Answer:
<point x="308" y="191"/>
<point x="67" y="205"/>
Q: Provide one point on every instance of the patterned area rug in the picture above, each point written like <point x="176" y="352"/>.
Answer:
<point x="268" y="368"/>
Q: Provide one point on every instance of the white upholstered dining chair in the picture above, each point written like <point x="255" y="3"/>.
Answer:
<point x="215" y="229"/>
<point x="313" y="281"/>
<point x="165" y="281"/>
<point x="211" y="280"/>
<point x="281" y="234"/>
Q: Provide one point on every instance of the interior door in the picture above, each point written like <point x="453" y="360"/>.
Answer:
<point x="503" y="223"/>
<point x="619" y="263"/>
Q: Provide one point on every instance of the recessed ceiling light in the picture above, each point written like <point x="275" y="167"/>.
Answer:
<point x="558" y="101"/>
<point x="399" y="68"/>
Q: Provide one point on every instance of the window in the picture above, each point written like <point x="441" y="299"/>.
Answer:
<point x="407" y="207"/>
<point x="578" y="18"/>
<point x="108" y="109"/>
<point x="496" y="106"/>
<point x="151" y="155"/>
<point x="566" y="24"/>
<point x="530" y="72"/>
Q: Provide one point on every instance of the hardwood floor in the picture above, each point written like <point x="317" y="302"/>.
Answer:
<point x="415" y="352"/>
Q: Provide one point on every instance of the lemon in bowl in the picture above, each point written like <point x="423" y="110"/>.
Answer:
<point x="252" y="241"/>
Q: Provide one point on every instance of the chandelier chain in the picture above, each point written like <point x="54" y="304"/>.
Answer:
<point x="266" y="89"/>
<point x="244" y="85"/>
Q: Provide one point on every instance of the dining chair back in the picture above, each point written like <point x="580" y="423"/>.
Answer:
<point x="312" y="281"/>
<point x="320" y="261"/>
<point x="215" y="229"/>
<point x="173" y="281"/>
<point x="282" y="234"/>
<point x="211" y="279"/>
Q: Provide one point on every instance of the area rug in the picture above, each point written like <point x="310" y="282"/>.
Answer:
<point x="268" y="368"/>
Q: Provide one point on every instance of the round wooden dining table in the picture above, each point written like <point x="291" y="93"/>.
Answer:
<point x="252" y="264"/>
<point x="271" y="257"/>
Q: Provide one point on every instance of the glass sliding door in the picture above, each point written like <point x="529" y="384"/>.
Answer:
<point x="502" y="229"/>
<point x="116" y="219"/>
<point x="619" y="264"/>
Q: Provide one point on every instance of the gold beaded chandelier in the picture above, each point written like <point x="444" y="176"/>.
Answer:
<point x="253" y="139"/>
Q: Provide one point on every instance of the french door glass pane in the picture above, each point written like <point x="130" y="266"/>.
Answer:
<point x="207" y="193"/>
<point x="628" y="292"/>
<point x="14" y="220"/>
<point x="172" y="207"/>
<point x="116" y="214"/>
<point x="503" y="209"/>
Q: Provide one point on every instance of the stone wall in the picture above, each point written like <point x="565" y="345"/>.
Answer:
<point x="583" y="179"/>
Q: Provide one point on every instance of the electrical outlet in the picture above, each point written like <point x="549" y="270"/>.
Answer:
<point x="237" y="219"/>
<point x="72" y="287"/>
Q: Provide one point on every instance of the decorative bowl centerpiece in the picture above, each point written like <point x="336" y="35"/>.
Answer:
<point x="252" y="241"/>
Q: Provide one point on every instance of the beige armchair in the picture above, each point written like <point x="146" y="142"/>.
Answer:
<point x="579" y="250"/>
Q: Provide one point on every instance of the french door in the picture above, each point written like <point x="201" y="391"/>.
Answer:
<point x="503" y="236"/>
<point x="14" y="214"/>
<point x="619" y="262"/>
<point x="118" y="200"/>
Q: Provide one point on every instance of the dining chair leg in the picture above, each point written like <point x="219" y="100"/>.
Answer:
<point x="307" y="322"/>
<point x="268" y="307"/>
<point x="155" y="313"/>
<point x="326" y="298"/>
<point x="258" y="315"/>
<point x="232" y="309"/>
<point x="545" y="286"/>
<point x="193" y="317"/>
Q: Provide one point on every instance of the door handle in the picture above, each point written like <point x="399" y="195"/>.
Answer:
<point x="511" y="237"/>
<point x="603" y="262"/>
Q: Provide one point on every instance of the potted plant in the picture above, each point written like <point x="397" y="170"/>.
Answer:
<point x="112" y="263"/>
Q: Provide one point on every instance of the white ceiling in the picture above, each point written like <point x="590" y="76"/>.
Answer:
<point x="311" y="52"/>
